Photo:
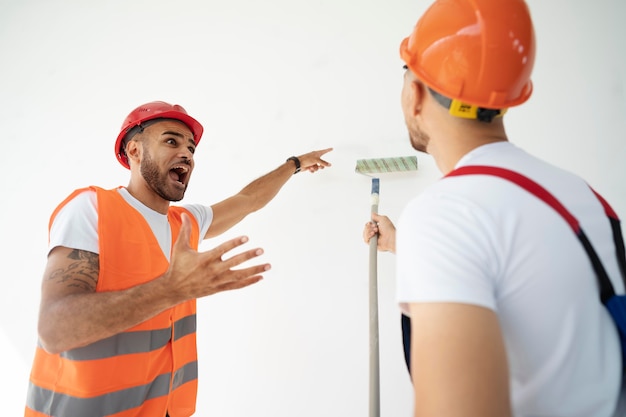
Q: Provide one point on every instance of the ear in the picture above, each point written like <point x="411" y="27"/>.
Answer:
<point x="418" y="95"/>
<point x="413" y="95"/>
<point x="133" y="150"/>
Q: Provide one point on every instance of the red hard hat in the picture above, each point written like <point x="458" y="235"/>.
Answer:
<point x="150" y="111"/>
<point x="479" y="52"/>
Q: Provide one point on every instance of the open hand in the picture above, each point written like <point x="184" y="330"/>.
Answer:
<point x="194" y="274"/>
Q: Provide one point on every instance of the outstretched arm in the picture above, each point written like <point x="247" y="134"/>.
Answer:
<point x="72" y="314"/>
<point x="259" y="192"/>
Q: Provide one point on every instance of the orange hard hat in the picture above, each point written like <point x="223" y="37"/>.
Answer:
<point x="479" y="52"/>
<point x="151" y="111"/>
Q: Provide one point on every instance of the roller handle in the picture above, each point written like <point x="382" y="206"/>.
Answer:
<point x="374" y="367"/>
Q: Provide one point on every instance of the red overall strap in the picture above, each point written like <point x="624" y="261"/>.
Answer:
<point x="606" y="287"/>
<point x="524" y="182"/>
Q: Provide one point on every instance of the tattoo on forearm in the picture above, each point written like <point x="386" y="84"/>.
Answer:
<point x="82" y="274"/>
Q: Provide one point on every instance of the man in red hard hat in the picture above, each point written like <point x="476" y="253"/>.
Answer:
<point x="117" y="321"/>
<point x="505" y="310"/>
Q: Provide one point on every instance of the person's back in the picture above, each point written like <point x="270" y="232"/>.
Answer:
<point x="504" y="306"/>
<point x="508" y="251"/>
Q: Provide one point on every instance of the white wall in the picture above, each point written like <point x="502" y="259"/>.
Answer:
<point x="269" y="80"/>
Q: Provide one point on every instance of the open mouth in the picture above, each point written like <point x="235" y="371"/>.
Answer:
<point x="179" y="173"/>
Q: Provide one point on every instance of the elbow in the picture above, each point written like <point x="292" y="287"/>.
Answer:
<point x="50" y="341"/>
<point x="49" y="345"/>
<point x="49" y="349"/>
<point x="254" y="204"/>
<point x="255" y="208"/>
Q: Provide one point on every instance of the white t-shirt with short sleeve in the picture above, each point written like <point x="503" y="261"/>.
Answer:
<point x="76" y="224"/>
<point x="485" y="241"/>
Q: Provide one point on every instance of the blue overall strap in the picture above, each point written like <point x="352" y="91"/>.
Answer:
<point x="405" y="323"/>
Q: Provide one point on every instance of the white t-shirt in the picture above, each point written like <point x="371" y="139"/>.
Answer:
<point x="76" y="224"/>
<point x="485" y="241"/>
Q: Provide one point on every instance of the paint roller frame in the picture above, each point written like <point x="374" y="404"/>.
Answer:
<point x="371" y="168"/>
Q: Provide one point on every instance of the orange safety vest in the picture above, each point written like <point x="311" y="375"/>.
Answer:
<point x="145" y="371"/>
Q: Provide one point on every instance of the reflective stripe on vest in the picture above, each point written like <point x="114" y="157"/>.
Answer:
<point x="145" y="371"/>
<point x="132" y="342"/>
<point x="54" y="404"/>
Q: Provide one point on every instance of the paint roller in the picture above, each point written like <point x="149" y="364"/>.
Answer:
<point x="373" y="168"/>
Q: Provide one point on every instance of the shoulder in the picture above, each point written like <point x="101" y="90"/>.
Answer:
<point x="84" y="199"/>
<point x="74" y="224"/>
<point x="506" y="155"/>
<point x="203" y="214"/>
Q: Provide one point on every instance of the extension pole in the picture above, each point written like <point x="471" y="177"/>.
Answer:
<point x="374" y="377"/>
<point x="368" y="167"/>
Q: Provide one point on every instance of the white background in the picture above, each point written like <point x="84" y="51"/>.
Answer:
<point x="269" y="80"/>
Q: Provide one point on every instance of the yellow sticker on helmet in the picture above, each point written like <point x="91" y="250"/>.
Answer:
<point x="467" y="111"/>
<point x="464" y="110"/>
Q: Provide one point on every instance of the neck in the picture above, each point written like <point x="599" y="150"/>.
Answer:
<point x="143" y="193"/>
<point x="462" y="137"/>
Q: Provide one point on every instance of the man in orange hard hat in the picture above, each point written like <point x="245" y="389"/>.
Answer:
<point x="117" y="321"/>
<point x="506" y="317"/>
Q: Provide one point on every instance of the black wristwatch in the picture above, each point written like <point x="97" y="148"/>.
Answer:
<point x="295" y="161"/>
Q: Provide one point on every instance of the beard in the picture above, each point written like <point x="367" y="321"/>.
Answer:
<point x="419" y="140"/>
<point x="158" y="181"/>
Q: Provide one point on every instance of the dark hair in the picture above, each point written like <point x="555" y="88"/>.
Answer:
<point x="130" y="133"/>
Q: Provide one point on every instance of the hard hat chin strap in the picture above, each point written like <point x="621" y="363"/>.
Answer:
<point x="466" y="111"/>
